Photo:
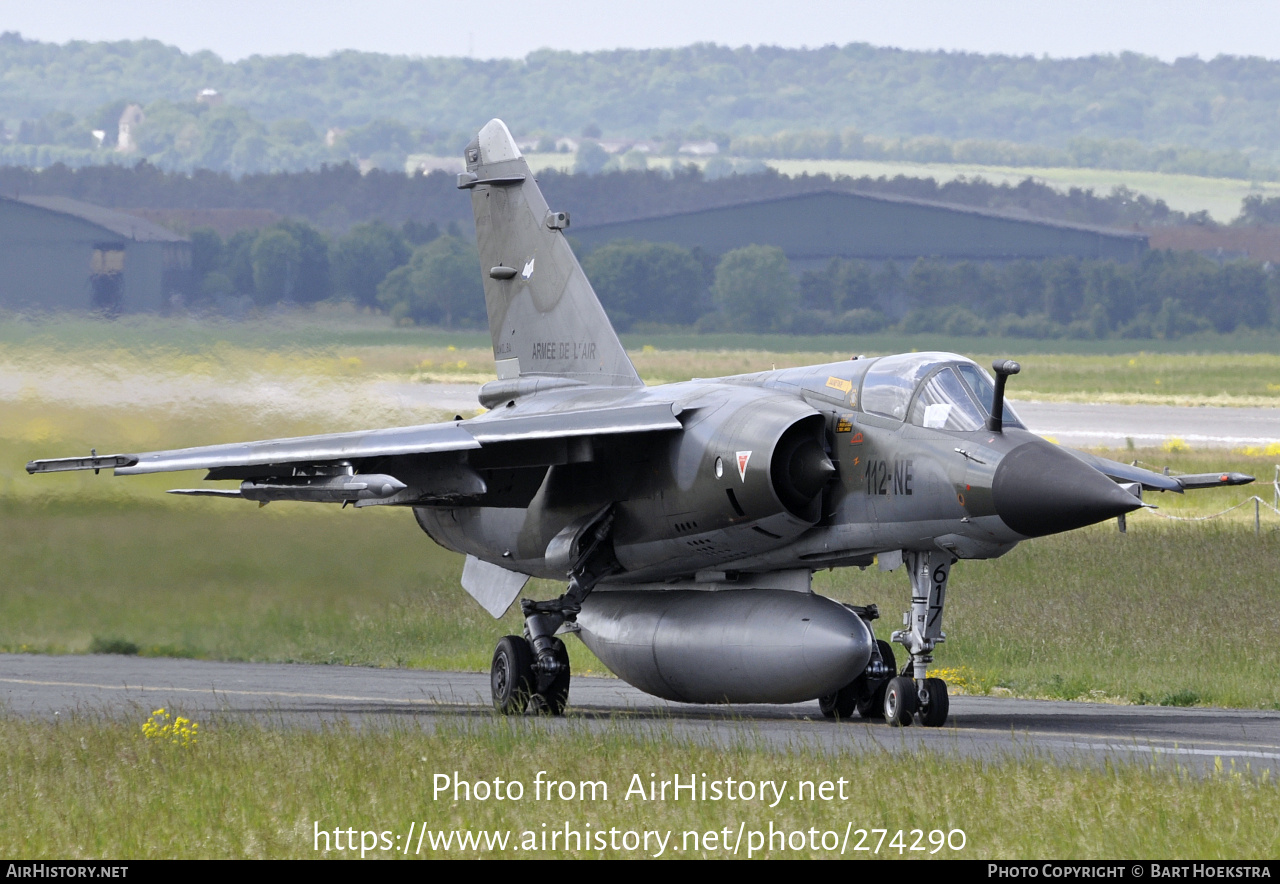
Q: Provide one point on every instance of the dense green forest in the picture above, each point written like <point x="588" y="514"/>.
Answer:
<point x="290" y="112"/>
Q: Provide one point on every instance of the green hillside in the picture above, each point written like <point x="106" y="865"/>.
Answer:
<point x="1213" y="117"/>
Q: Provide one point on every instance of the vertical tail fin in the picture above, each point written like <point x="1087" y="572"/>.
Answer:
<point x="545" y="319"/>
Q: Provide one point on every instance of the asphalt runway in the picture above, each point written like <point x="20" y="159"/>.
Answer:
<point x="1150" y="426"/>
<point x="296" y="695"/>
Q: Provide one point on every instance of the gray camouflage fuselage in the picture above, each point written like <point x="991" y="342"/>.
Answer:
<point x="898" y="486"/>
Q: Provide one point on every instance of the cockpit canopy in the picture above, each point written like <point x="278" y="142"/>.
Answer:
<point x="937" y="390"/>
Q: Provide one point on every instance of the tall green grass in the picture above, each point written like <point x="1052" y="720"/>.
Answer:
<point x="328" y="329"/>
<point x="280" y="583"/>
<point x="89" y="788"/>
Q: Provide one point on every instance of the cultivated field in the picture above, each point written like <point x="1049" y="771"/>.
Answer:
<point x="1220" y="197"/>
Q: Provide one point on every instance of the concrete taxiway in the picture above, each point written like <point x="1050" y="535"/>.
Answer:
<point x="296" y="695"/>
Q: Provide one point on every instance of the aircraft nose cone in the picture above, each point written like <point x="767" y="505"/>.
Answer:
<point x="1038" y="489"/>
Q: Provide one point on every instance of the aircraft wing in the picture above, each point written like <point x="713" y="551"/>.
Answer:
<point x="1152" y="481"/>
<point x="333" y="460"/>
<point x="274" y="452"/>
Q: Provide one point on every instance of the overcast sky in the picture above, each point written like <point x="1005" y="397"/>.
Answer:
<point x="235" y="29"/>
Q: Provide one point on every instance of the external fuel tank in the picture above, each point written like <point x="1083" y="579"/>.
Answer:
<point x="726" y="645"/>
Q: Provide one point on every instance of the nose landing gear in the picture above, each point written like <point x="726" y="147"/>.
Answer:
<point x="913" y="695"/>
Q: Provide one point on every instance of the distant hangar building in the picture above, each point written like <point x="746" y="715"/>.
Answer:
<point x="61" y="254"/>
<point x="811" y="228"/>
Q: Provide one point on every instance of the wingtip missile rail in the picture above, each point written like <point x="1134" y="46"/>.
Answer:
<point x="93" y="462"/>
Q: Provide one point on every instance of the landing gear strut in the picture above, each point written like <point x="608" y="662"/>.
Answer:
<point x="913" y="695"/>
<point x="532" y="672"/>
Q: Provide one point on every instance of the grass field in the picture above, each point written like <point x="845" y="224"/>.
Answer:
<point x="328" y="329"/>
<point x="68" y="358"/>
<point x="88" y="788"/>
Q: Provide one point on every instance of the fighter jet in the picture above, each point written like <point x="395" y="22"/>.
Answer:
<point x="687" y="520"/>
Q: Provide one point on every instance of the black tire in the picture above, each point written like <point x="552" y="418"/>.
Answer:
<point x="935" y="714"/>
<point x="841" y="705"/>
<point x="553" y="700"/>
<point x="886" y="654"/>
<point x="871" y="704"/>
<point x="511" y="675"/>
<point x="900" y="701"/>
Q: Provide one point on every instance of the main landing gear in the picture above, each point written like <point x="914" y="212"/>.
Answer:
<point x="912" y="695"/>
<point x="515" y="682"/>
<point x="865" y="694"/>
<point x="531" y="672"/>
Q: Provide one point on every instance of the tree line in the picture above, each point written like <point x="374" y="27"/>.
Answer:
<point x="185" y="136"/>
<point x="1164" y="295"/>
<point x="416" y="273"/>
<point x="182" y="136"/>
<point x="1213" y="116"/>
<point x="421" y="274"/>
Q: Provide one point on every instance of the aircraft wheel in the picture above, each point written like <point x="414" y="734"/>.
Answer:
<point x="553" y="700"/>
<point x="511" y="675"/>
<point x="872" y="705"/>
<point x="886" y="654"/>
<point x="899" y="701"/>
<point x="935" y="714"/>
<point x="841" y="705"/>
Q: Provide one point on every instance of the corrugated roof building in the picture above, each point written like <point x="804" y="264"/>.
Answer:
<point x="811" y="228"/>
<point x="61" y="254"/>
